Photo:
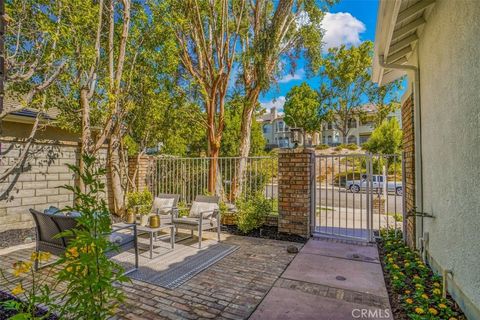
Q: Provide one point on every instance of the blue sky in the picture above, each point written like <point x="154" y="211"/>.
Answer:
<point x="349" y="22"/>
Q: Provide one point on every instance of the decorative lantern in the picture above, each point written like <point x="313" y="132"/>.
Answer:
<point x="295" y="136"/>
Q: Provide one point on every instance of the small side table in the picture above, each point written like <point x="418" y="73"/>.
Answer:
<point x="153" y="233"/>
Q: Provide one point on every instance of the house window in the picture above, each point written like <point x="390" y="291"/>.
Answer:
<point x="329" y="126"/>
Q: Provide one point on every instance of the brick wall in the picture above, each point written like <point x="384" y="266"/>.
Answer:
<point x="294" y="194"/>
<point x="409" y="158"/>
<point x="138" y="170"/>
<point x="36" y="184"/>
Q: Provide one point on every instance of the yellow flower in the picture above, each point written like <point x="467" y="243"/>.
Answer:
<point x="40" y="256"/>
<point x="452" y="318"/>
<point x="396" y="266"/>
<point x="416" y="277"/>
<point x="409" y="301"/>
<point x="436" y="284"/>
<point x="72" y="252"/>
<point x="437" y="291"/>
<point x="407" y="291"/>
<point x="442" y="306"/>
<point x="433" y="311"/>
<point x="390" y="259"/>
<point x="18" y="289"/>
<point x="395" y="278"/>
<point x="424" y="296"/>
<point x="21" y="267"/>
<point x="418" y="286"/>
<point x="407" y="264"/>
<point x="419" y="310"/>
<point x="69" y="269"/>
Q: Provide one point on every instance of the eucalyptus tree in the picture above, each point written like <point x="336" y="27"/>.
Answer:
<point x="207" y="34"/>
<point x="346" y="82"/>
<point x="274" y="35"/>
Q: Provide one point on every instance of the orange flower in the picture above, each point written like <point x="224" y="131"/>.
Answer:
<point x="409" y="301"/>
<point x="433" y="311"/>
<point x="72" y="252"/>
<point x="407" y="291"/>
<point x="442" y="306"/>
<point x="419" y="310"/>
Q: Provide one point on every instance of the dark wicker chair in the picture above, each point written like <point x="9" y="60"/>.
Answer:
<point x="48" y="225"/>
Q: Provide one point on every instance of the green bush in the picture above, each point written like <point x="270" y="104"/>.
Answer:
<point x="91" y="279"/>
<point x="351" y="146"/>
<point x="322" y="146"/>
<point x="252" y="212"/>
<point x="339" y="147"/>
<point x="141" y="201"/>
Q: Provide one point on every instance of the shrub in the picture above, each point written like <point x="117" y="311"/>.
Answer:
<point x="322" y="146"/>
<point x="252" y="212"/>
<point x="351" y="146"/>
<point x="140" y="202"/>
<point x="339" y="147"/>
<point x="90" y="277"/>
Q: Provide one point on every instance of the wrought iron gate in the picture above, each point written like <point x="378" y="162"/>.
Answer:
<point x="356" y="195"/>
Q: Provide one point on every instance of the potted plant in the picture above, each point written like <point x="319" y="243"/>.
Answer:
<point x="140" y="203"/>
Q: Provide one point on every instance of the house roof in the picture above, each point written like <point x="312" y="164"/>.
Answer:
<point x="26" y="114"/>
<point x="399" y="26"/>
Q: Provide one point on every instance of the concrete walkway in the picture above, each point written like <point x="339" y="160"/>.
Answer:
<point x="329" y="279"/>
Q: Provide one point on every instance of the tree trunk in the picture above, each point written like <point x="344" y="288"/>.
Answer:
<point x="86" y="143"/>
<point x="115" y="175"/>
<point x="213" y="165"/>
<point x="245" y="142"/>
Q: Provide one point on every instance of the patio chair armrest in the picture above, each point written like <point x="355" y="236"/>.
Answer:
<point x="132" y="226"/>
<point x="174" y="212"/>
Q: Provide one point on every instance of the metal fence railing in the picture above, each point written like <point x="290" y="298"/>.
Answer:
<point x="189" y="177"/>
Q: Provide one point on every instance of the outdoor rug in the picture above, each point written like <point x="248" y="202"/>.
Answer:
<point x="171" y="268"/>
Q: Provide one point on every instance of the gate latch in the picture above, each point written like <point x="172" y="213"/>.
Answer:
<point x="415" y="213"/>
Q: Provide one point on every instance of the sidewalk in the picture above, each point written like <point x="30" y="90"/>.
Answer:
<point x="329" y="279"/>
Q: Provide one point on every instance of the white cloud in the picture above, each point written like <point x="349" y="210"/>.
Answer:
<point x="276" y="102"/>
<point x="298" y="75"/>
<point x="341" y="28"/>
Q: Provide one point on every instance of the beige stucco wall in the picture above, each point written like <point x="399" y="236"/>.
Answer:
<point x="449" y="60"/>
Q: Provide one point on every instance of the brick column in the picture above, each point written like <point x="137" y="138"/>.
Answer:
<point x="294" y="191"/>
<point x="138" y="170"/>
<point x="409" y="167"/>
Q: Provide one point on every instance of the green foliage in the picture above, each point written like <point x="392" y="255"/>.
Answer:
<point x="90" y="276"/>
<point x="232" y="133"/>
<point x="302" y="108"/>
<point x="322" y="146"/>
<point x="385" y="98"/>
<point x="29" y="298"/>
<point x="346" y="74"/>
<point x="140" y="202"/>
<point x="418" y="288"/>
<point x="386" y="139"/>
<point x="349" y="146"/>
<point x="252" y="212"/>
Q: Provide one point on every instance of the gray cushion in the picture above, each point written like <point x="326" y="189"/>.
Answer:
<point x="120" y="238"/>
<point x="162" y="205"/>
<point x="195" y="221"/>
<point x="206" y="207"/>
<point x="51" y="210"/>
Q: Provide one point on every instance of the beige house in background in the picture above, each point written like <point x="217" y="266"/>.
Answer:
<point x="437" y="45"/>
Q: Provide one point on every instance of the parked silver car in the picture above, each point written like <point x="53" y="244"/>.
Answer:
<point x="377" y="180"/>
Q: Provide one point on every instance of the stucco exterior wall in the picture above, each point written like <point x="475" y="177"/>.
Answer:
<point x="448" y="57"/>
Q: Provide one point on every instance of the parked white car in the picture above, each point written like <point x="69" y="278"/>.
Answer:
<point x="356" y="186"/>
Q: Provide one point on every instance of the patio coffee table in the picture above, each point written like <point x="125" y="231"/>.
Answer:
<point x="153" y="234"/>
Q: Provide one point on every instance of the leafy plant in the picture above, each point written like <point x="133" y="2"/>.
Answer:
<point x="87" y="272"/>
<point x="386" y="139"/>
<point x="252" y="212"/>
<point x="419" y="289"/>
<point x="140" y="202"/>
<point x="29" y="297"/>
<point x="322" y="146"/>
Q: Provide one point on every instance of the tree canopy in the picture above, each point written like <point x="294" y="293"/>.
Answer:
<point x="386" y="138"/>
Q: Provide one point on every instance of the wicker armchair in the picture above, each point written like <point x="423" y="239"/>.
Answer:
<point x="48" y="225"/>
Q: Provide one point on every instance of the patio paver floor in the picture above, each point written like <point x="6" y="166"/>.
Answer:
<point x="230" y="289"/>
